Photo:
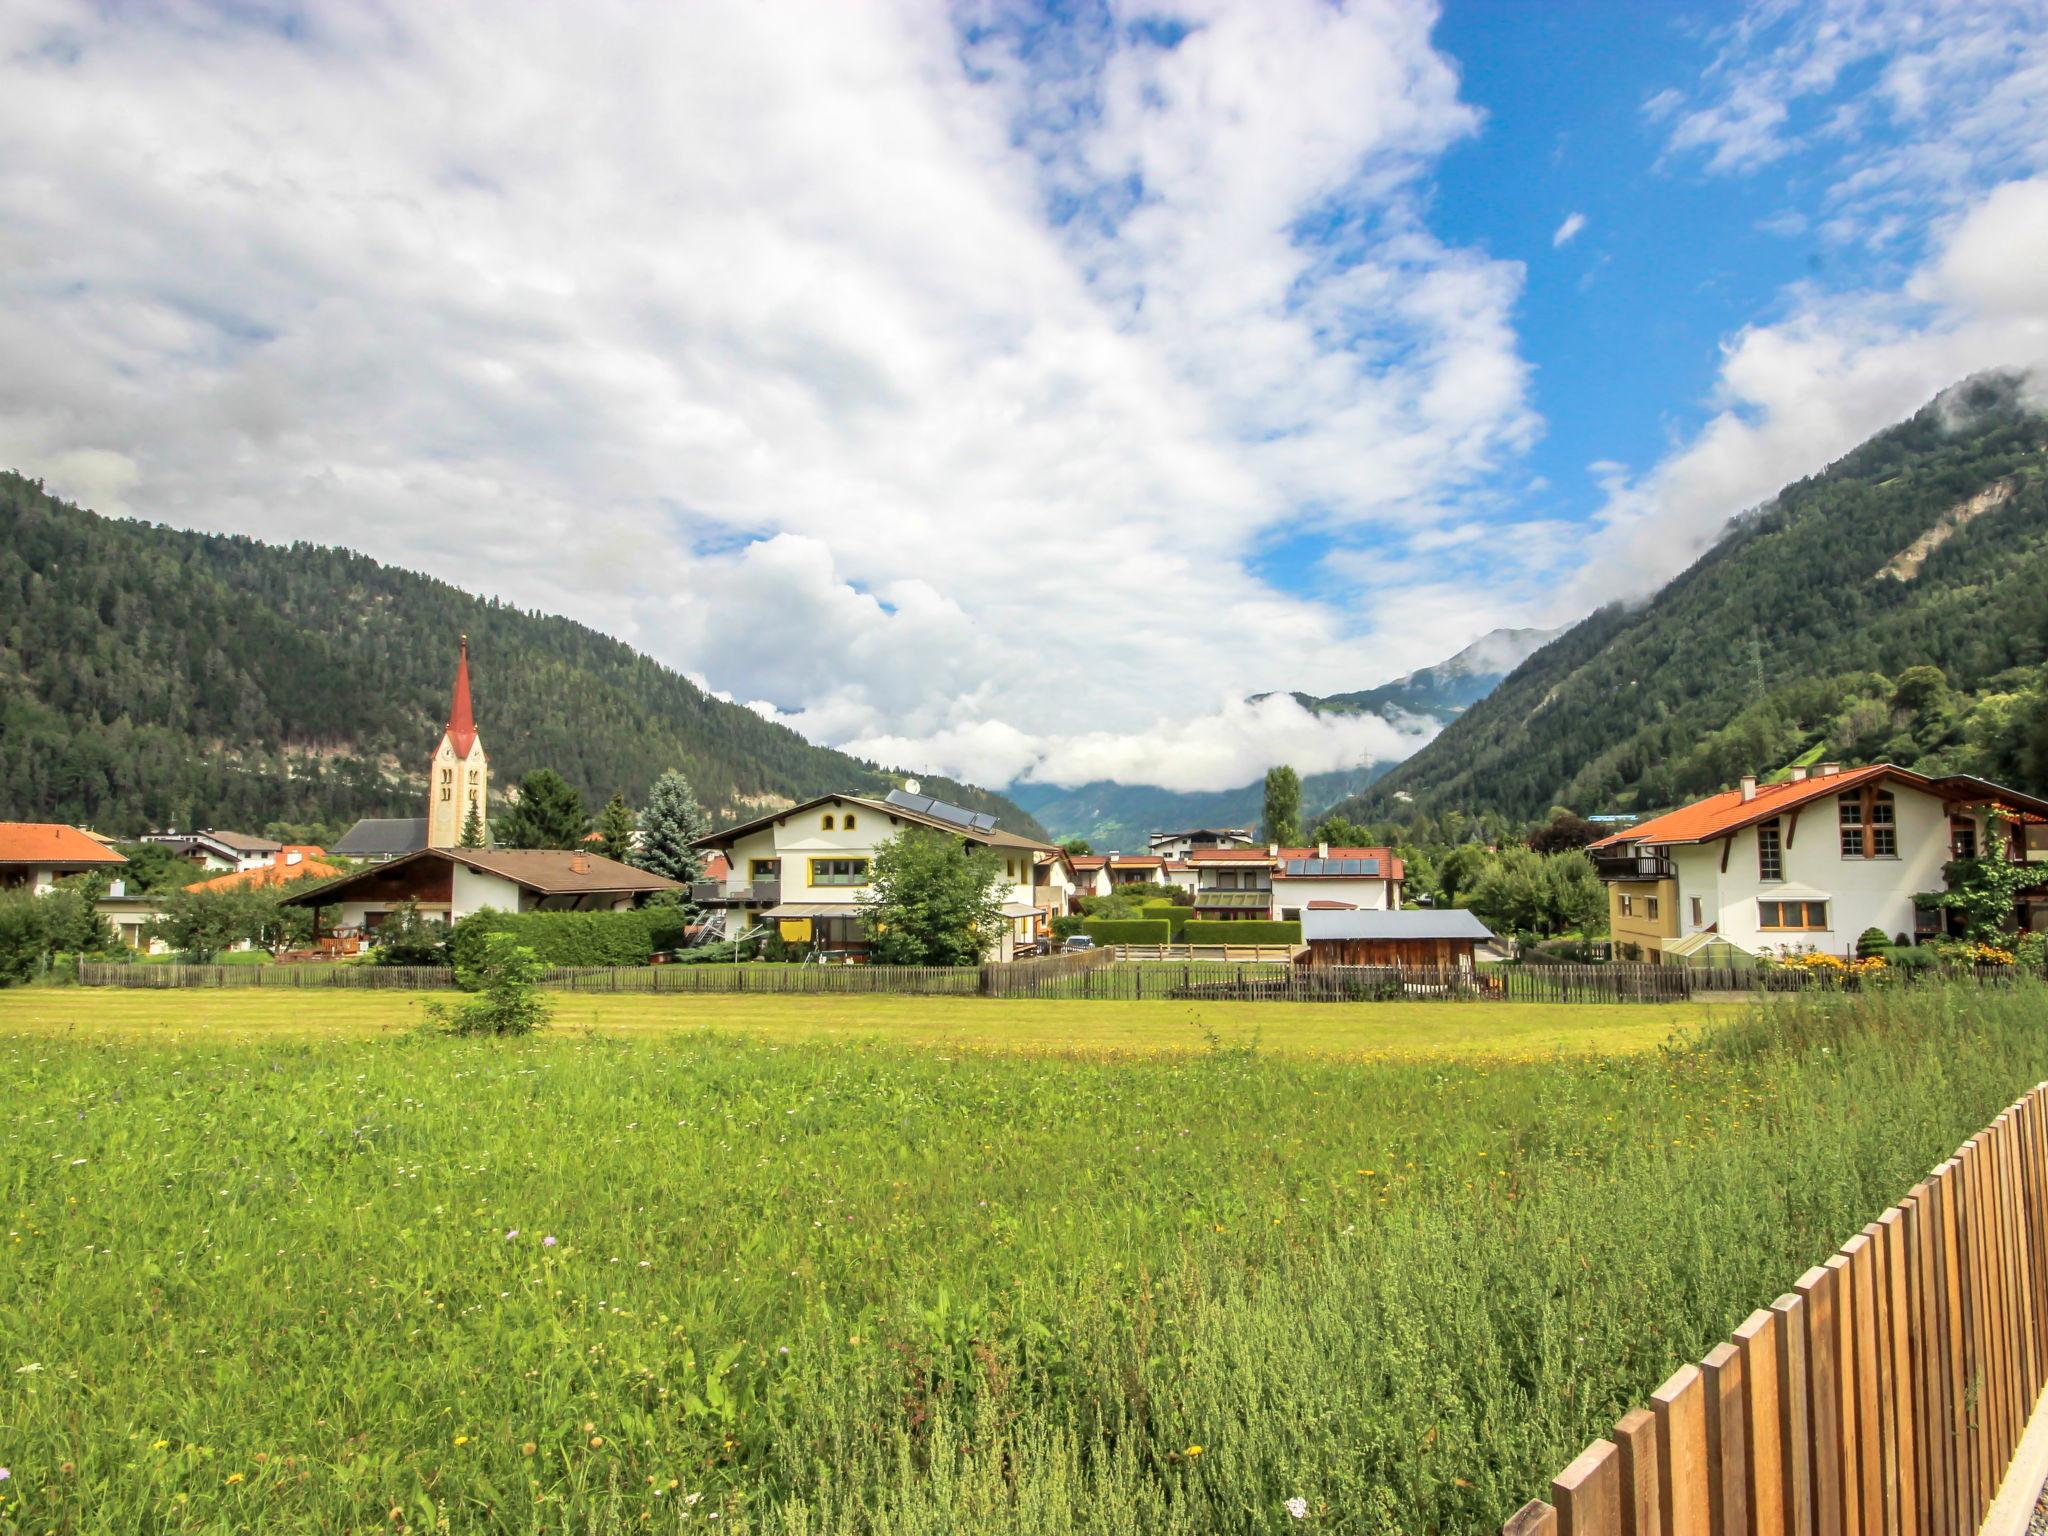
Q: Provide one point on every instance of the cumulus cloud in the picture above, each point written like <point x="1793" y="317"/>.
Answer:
<point x="1569" y="229"/>
<point x="856" y="359"/>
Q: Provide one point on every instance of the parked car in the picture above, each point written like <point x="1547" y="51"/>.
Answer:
<point x="1077" y="944"/>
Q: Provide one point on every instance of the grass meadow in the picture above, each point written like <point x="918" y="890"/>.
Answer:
<point x="290" y="1276"/>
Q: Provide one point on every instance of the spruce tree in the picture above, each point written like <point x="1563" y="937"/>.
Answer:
<point x="548" y="814"/>
<point x="473" y="833"/>
<point x="616" y="825"/>
<point x="672" y="821"/>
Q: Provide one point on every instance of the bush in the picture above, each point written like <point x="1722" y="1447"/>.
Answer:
<point x="1128" y="930"/>
<point x="1871" y="941"/>
<point x="558" y="938"/>
<point x="1066" y="927"/>
<point x="406" y="938"/>
<point x="507" y="974"/>
<point x="668" y="924"/>
<point x="1172" y="914"/>
<point x="1214" y="931"/>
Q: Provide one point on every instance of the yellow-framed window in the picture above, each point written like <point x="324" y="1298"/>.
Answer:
<point x="839" y="871"/>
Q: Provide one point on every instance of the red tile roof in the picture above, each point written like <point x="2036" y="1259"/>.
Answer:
<point x="717" y="867"/>
<point x="52" y="844"/>
<point x="1718" y="815"/>
<point x="279" y="871"/>
<point x="1087" y="861"/>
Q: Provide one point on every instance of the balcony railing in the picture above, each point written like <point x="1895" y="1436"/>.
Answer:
<point x="1631" y="865"/>
<point x="711" y="893"/>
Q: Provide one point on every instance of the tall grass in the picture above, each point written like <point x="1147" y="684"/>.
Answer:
<point x="846" y="1288"/>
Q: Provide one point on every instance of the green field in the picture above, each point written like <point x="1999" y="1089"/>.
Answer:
<point x="273" y="1263"/>
<point x="976" y="1023"/>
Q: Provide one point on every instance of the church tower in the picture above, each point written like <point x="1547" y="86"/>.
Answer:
<point x="460" y="776"/>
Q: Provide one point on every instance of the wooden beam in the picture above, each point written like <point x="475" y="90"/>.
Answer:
<point x="1792" y="827"/>
<point x="1727" y="847"/>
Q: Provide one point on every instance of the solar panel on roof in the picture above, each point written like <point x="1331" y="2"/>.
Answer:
<point x="919" y="805"/>
<point x="939" y="810"/>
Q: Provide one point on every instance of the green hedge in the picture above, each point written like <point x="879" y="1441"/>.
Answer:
<point x="1128" y="930"/>
<point x="1174" y="916"/>
<point x="1211" y="931"/>
<point x="560" y="938"/>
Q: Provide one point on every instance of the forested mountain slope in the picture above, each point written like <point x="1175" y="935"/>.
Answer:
<point x="1925" y="547"/>
<point x="151" y="677"/>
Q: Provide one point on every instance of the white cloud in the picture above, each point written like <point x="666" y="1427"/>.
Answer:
<point x="1569" y="229"/>
<point x="749" y="336"/>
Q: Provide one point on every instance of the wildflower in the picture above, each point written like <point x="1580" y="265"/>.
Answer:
<point x="462" y="1439"/>
<point x="528" y="1449"/>
<point x="159" y="1445"/>
<point x="548" y="1241"/>
<point x="596" y="1441"/>
<point x="235" y="1477"/>
<point x="512" y="1234"/>
<point x="1298" y="1507"/>
<point x="1194" y="1451"/>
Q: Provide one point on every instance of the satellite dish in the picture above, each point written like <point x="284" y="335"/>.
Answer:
<point x="910" y="785"/>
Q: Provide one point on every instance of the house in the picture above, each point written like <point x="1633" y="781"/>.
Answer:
<point x="1180" y="874"/>
<point x="458" y="790"/>
<point x="1810" y="861"/>
<point x="804" y="870"/>
<point x="293" y="861"/>
<point x="1182" y="845"/>
<point x="216" y="850"/>
<point x="1053" y="883"/>
<point x="1276" y="882"/>
<point x="1418" y="937"/>
<point x="34" y="854"/>
<point x="132" y="917"/>
<point x="449" y="884"/>
<point x="1135" y="869"/>
<point x="1091" y="875"/>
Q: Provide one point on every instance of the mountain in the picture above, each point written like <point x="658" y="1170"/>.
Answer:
<point x="1124" y="816"/>
<point x="1926" y="547"/>
<point x="1448" y="688"/>
<point x="153" y="677"/>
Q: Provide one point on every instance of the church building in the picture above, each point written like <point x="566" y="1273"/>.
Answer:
<point x="458" y="786"/>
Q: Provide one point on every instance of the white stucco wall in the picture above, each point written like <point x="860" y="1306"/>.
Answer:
<point x="1366" y="895"/>
<point x="474" y="890"/>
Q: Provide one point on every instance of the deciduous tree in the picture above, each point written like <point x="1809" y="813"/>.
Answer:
<point x="933" y="900"/>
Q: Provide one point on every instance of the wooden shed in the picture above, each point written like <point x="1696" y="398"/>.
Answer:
<point x="1416" y="937"/>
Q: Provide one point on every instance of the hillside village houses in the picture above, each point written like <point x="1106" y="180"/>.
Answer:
<point x="35" y="854"/>
<point x="801" y="872"/>
<point x="1809" y="862"/>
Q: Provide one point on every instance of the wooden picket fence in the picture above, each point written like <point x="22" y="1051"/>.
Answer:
<point x="783" y="980"/>
<point x="1043" y="975"/>
<point x="1884" y="1396"/>
<point x="401" y="978"/>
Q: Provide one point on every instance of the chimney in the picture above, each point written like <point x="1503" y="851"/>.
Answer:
<point x="117" y="887"/>
<point x="1323" y="848"/>
<point x="1272" y="850"/>
<point x="579" y="865"/>
<point x="1827" y="770"/>
<point x="1798" y="775"/>
<point x="293" y="856"/>
<point x="1749" y="786"/>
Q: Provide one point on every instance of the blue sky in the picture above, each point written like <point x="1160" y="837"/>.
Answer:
<point x="1000" y="389"/>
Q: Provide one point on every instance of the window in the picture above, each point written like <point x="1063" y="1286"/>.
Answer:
<point x="1870" y="827"/>
<point x="1796" y="916"/>
<point x="1770" y="852"/>
<point x="1628" y="905"/>
<point x="847" y="824"/>
<point x="826" y="823"/>
<point x="1962" y="838"/>
<point x="759" y="870"/>
<point x="1699" y="916"/>
<point x="839" y="871"/>
<point x="1650" y="905"/>
<point x="447" y="783"/>
<point x="1884" y="826"/>
<point x="1850" y="814"/>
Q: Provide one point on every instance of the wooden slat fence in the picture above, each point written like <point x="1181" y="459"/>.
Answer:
<point x="1042" y="976"/>
<point x="1884" y="1395"/>
<point x="783" y="980"/>
<point x="402" y="978"/>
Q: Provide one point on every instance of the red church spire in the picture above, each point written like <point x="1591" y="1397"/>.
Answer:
<point x="461" y="723"/>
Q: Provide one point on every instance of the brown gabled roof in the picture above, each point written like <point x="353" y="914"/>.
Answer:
<point x="53" y="845"/>
<point x="548" y="871"/>
<point x="997" y="838"/>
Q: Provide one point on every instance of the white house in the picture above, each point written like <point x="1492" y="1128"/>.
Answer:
<point x="1277" y="882"/>
<point x="1183" y="845"/>
<point x="1809" y="862"/>
<point x="218" y="851"/>
<point x="802" y="872"/>
<point x="35" y="854"/>
<point x="449" y="884"/>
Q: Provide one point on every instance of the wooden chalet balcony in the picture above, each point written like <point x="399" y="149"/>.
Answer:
<point x="1631" y="864"/>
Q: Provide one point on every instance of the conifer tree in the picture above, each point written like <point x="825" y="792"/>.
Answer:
<point x="549" y="813"/>
<point x="616" y="825"/>
<point x="1282" y="820"/>
<point x="672" y="821"/>
<point x="473" y="833"/>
